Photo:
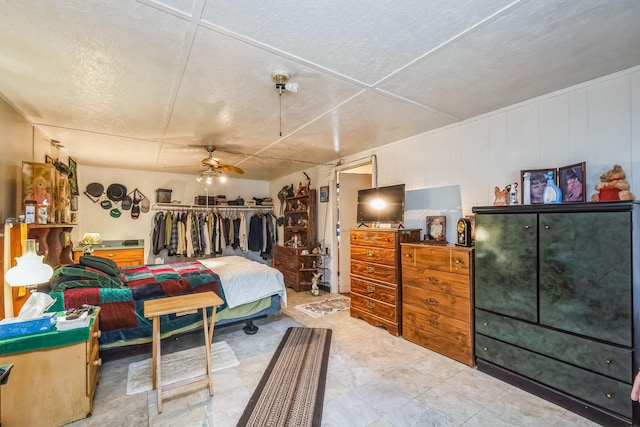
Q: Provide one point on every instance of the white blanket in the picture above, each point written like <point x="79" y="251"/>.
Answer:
<point x="245" y="281"/>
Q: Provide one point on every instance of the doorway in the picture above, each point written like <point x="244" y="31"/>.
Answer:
<point x="348" y="182"/>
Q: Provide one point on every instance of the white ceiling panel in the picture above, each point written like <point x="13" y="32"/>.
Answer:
<point x="154" y="77"/>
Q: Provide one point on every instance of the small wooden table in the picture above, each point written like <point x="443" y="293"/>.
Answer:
<point x="182" y="304"/>
<point x="4" y="377"/>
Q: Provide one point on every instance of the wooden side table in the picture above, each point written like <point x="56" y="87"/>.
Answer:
<point x="4" y="377"/>
<point x="182" y="304"/>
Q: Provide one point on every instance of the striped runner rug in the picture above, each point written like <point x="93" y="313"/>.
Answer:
<point x="291" y="391"/>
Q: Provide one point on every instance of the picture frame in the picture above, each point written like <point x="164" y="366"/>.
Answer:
<point x="48" y="159"/>
<point x="436" y="230"/>
<point x="572" y="182"/>
<point x="537" y="181"/>
<point x="73" y="177"/>
<point x="324" y="194"/>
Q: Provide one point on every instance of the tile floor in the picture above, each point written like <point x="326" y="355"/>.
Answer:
<point x="374" y="379"/>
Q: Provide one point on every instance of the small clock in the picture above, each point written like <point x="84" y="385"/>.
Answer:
<point x="463" y="233"/>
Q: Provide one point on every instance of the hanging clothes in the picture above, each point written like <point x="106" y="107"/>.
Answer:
<point x="255" y="237"/>
<point x="157" y="239"/>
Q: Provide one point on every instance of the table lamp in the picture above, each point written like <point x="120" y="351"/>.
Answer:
<point x="89" y="239"/>
<point x="30" y="272"/>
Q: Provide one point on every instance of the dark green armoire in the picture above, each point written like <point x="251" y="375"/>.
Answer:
<point x="557" y="303"/>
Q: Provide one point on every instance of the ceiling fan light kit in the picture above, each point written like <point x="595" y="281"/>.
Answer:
<point x="213" y="167"/>
<point x="281" y="79"/>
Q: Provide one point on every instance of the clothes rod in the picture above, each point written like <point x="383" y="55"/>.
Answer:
<point x="174" y="207"/>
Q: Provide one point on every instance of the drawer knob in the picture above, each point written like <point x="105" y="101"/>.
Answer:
<point x="371" y="304"/>
<point x="371" y="270"/>
<point x="370" y="253"/>
<point x="485" y="348"/>
<point x="432" y="301"/>
<point x="371" y="288"/>
<point x="408" y="255"/>
<point x="546" y="227"/>
<point x="97" y="334"/>
<point x="110" y="255"/>
<point x="526" y="227"/>
<point x="432" y="279"/>
<point x="609" y="395"/>
<point x="457" y="261"/>
<point x="609" y="361"/>
<point x="485" y="323"/>
<point x="434" y="323"/>
<point x="97" y="362"/>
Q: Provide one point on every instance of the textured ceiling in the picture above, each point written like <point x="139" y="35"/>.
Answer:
<point x="133" y="84"/>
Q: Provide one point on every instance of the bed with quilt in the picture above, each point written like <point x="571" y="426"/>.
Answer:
<point x="249" y="289"/>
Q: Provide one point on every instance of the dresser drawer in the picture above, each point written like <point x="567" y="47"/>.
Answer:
<point x="122" y="257"/>
<point x="438" y="343"/>
<point x="591" y="387"/>
<point x="383" y="273"/>
<point x="380" y="239"/>
<point x="380" y="309"/>
<point x="443" y="259"/>
<point x="439" y="281"/>
<point x="438" y="324"/>
<point x="437" y="302"/>
<point x="374" y="290"/>
<point x="606" y="359"/>
<point x="374" y="255"/>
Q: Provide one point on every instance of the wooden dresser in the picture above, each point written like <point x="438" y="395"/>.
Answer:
<point x="288" y="261"/>
<point x="436" y="298"/>
<point x="116" y="251"/>
<point x="376" y="294"/>
<point x="52" y="383"/>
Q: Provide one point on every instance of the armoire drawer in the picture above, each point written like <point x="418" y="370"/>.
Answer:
<point x="374" y="290"/>
<point x="374" y="255"/>
<point x="439" y="281"/>
<point x="437" y="324"/>
<point x="439" y="343"/>
<point x="606" y="359"/>
<point x="377" y="308"/>
<point x="383" y="273"/>
<point x="597" y="389"/>
<point x="437" y="302"/>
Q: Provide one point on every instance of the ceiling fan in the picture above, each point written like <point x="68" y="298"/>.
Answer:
<point x="213" y="167"/>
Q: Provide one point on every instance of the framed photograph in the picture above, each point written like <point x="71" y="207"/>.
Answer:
<point x="538" y="181"/>
<point x="436" y="230"/>
<point x="572" y="182"/>
<point x="73" y="177"/>
<point x="324" y="194"/>
<point x="48" y="159"/>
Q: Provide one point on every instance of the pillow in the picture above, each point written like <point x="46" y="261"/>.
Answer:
<point x="99" y="263"/>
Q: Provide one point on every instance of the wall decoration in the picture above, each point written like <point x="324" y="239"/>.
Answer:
<point x="436" y="229"/>
<point x="73" y="177"/>
<point x="324" y="194"/>
<point x="537" y="182"/>
<point x="572" y="182"/>
<point x="48" y="159"/>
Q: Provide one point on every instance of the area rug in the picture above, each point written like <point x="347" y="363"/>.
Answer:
<point x="180" y="366"/>
<point x="321" y="308"/>
<point x="291" y="391"/>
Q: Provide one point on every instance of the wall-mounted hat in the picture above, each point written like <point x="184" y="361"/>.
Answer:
<point x="135" y="211"/>
<point x="116" y="192"/>
<point x="115" y="212"/>
<point x="145" y="205"/>
<point x="106" y="204"/>
<point x="95" y="189"/>
<point x="126" y="203"/>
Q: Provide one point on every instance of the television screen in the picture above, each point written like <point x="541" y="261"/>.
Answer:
<point x="382" y="204"/>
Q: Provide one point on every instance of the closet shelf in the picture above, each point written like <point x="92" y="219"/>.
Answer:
<point x="177" y="207"/>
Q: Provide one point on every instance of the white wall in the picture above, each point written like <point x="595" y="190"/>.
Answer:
<point x="92" y="218"/>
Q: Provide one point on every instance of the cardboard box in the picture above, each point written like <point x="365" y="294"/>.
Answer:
<point x="13" y="327"/>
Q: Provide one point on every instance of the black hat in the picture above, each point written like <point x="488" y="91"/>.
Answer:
<point x="135" y="211"/>
<point x="116" y="192"/>
<point x="94" y="189"/>
<point x="106" y="204"/>
<point x="126" y="203"/>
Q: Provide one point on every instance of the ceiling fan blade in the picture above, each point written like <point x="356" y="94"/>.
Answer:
<point x="230" y="168"/>
<point x="210" y="161"/>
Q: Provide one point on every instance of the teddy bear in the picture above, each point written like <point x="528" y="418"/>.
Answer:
<point x="613" y="186"/>
<point x="39" y="191"/>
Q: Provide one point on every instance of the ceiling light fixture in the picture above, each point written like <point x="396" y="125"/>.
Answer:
<point x="281" y="79"/>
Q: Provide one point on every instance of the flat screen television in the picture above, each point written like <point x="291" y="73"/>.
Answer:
<point x="382" y="204"/>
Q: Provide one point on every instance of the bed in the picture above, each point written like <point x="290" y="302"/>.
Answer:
<point x="249" y="289"/>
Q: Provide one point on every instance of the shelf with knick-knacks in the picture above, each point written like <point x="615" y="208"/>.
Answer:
<point x="299" y="220"/>
<point x="313" y="265"/>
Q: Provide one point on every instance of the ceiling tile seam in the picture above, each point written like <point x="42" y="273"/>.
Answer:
<point x="460" y="36"/>
<point x="417" y="104"/>
<point x="187" y="48"/>
<point x="166" y="9"/>
<point x="283" y="54"/>
<point x="273" y="144"/>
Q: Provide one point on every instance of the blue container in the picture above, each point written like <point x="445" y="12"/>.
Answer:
<point x="13" y="327"/>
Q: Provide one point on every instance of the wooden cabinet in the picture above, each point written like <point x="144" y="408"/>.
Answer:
<point x="52" y="386"/>
<point x="376" y="294"/>
<point x="437" y="299"/>
<point x="299" y="234"/>
<point x="122" y="257"/>
<point x="54" y="242"/>
<point x="556" y="303"/>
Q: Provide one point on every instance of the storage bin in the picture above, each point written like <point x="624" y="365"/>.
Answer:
<point x="163" y="195"/>
<point x="205" y="200"/>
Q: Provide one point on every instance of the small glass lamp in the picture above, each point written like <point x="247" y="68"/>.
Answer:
<point x="91" y="239"/>
<point x="30" y="271"/>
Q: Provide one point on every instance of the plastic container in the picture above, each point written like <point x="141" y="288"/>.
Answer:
<point x="30" y="211"/>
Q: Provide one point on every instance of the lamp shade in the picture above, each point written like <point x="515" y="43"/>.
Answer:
<point x="30" y="270"/>
<point x="91" y="239"/>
